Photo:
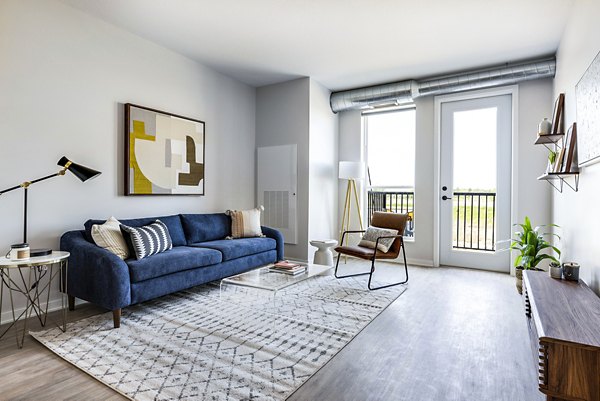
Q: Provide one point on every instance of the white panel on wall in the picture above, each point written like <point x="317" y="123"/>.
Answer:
<point x="276" y="188"/>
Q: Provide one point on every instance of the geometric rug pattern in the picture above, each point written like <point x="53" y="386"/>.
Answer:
<point x="202" y="344"/>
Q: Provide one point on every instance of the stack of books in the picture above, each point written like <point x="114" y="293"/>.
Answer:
<point x="287" y="267"/>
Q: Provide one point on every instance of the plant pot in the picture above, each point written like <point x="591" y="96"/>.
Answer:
<point x="555" y="271"/>
<point x="519" y="275"/>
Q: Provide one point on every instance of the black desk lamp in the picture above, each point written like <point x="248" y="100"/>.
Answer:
<point x="81" y="172"/>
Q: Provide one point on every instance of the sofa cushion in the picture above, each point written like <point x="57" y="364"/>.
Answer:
<point x="177" y="259"/>
<point x="147" y="240"/>
<point x="173" y="223"/>
<point x="205" y="227"/>
<point x="237" y="248"/>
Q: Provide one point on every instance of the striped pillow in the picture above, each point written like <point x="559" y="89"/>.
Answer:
<point x="147" y="240"/>
<point x="109" y="237"/>
<point x="245" y="223"/>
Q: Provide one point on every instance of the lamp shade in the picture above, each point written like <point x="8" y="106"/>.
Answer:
<point x="351" y="170"/>
<point x="81" y="172"/>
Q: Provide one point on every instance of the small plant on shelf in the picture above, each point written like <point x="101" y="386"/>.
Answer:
<point x="551" y="160"/>
<point x="531" y="243"/>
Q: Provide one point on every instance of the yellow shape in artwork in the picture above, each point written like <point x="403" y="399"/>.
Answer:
<point x="141" y="185"/>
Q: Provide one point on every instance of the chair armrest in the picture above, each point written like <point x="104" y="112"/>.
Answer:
<point x="95" y="274"/>
<point x="350" y="232"/>
<point x="387" y="236"/>
<point x="278" y="237"/>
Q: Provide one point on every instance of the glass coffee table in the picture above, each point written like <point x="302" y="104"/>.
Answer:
<point x="263" y="279"/>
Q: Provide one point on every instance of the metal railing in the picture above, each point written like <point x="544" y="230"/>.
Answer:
<point x="393" y="201"/>
<point x="474" y="221"/>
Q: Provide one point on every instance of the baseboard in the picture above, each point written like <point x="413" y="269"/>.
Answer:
<point x="54" y="305"/>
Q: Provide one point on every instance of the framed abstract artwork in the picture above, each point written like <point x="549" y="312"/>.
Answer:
<point x="587" y="93"/>
<point x="164" y="153"/>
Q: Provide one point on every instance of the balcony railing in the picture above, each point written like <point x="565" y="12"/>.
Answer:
<point x="474" y="221"/>
<point x="394" y="201"/>
<point x="473" y="216"/>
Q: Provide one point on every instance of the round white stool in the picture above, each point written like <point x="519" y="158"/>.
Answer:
<point x="323" y="255"/>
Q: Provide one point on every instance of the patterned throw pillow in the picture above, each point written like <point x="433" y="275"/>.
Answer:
<point x="369" y="239"/>
<point x="147" y="240"/>
<point x="245" y="223"/>
<point x="109" y="237"/>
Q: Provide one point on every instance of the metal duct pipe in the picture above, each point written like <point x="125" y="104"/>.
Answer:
<point x="397" y="92"/>
<point x="401" y="92"/>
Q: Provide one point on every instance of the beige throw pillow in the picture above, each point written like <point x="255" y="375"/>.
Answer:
<point x="109" y="237"/>
<point x="245" y="223"/>
<point x="370" y="238"/>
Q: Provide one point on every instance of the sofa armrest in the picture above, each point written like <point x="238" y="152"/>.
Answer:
<point x="95" y="274"/>
<point x="277" y="236"/>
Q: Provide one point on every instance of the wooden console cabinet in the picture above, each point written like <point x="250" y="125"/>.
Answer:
<point x="564" y="329"/>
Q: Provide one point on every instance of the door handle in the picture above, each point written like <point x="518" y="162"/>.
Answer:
<point x="445" y="197"/>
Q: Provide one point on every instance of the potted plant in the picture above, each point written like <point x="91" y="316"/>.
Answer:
<point x="551" y="160"/>
<point x="530" y="243"/>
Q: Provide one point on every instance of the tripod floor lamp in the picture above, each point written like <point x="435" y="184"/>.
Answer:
<point x="351" y="171"/>
<point x="81" y="172"/>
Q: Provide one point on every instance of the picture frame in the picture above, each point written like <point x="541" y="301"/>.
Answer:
<point x="587" y="99"/>
<point x="570" y="148"/>
<point x="164" y="153"/>
<point x="558" y="115"/>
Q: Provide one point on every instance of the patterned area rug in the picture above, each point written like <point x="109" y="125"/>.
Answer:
<point x="202" y="344"/>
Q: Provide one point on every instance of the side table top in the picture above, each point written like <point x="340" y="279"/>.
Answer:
<point x="54" y="257"/>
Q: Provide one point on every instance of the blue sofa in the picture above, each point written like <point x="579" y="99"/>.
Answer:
<point x="200" y="254"/>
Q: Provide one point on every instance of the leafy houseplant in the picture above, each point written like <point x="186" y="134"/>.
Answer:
<point x="551" y="160"/>
<point x="530" y="243"/>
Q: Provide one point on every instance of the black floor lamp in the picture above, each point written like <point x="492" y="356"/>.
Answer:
<point x="81" y="172"/>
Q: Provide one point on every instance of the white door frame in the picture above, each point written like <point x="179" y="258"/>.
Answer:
<point x="437" y="168"/>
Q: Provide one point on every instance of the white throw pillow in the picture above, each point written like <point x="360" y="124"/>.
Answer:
<point x="109" y="237"/>
<point x="245" y="223"/>
<point x="369" y="239"/>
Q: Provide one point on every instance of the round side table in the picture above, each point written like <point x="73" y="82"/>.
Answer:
<point x="33" y="279"/>
<point x="323" y="255"/>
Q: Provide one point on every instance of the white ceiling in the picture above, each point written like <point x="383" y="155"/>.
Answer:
<point x="342" y="43"/>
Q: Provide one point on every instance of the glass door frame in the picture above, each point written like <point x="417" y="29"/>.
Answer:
<point x="437" y="192"/>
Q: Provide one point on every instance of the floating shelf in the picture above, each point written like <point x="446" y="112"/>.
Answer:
<point x="562" y="178"/>
<point x="550" y="138"/>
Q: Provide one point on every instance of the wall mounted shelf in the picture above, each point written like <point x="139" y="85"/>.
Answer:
<point x="550" y="139"/>
<point x="561" y="179"/>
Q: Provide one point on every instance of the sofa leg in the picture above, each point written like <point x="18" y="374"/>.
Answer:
<point x="71" y="302"/>
<point x="117" y="318"/>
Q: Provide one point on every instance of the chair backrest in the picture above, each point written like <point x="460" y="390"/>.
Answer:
<point x="394" y="221"/>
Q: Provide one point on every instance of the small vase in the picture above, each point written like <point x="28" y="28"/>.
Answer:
<point x="544" y="127"/>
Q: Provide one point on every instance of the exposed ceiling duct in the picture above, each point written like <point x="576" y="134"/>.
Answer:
<point x="407" y="91"/>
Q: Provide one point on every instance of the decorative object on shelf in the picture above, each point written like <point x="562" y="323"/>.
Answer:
<point x="350" y="171"/>
<point x="551" y="160"/>
<point x="530" y="243"/>
<point x="164" y="153"/>
<point x="587" y="95"/>
<point x="79" y="171"/>
<point x="544" y="127"/>
<point x="571" y="271"/>
<point x="555" y="270"/>
<point x="570" y="148"/>
<point x="558" y="124"/>
<point x="559" y="161"/>
<point x="18" y="252"/>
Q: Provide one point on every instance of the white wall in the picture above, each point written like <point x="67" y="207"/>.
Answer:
<point x="323" y="167"/>
<point x="351" y="148"/>
<point x="282" y="118"/>
<point x="578" y="213"/>
<point x="63" y="78"/>
<point x="535" y="102"/>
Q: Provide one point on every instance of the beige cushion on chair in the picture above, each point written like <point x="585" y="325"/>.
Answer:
<point x="109" y="237"/>
<point x="370" y="237"/>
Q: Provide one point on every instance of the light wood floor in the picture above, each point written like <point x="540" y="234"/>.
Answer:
<point x="455" y="334"/>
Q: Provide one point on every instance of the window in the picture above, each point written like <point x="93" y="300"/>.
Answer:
<point x="390" y="153"/>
